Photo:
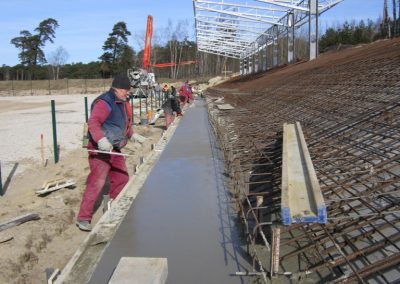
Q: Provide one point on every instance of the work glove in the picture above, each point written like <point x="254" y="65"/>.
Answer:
<point x="104" y="145"/>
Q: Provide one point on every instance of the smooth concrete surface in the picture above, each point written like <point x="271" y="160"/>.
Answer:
<point x="183" y="213"/>
<point x="139" y="270"/>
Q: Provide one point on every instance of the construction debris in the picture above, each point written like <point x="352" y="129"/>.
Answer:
<point x="18" y="221"/>
<point x="6" y="238"/>
<point x="139" y="138"/>
<point x="156" y="115"/>
<point x="53" y="185"/>
<point x="225" y="107"/>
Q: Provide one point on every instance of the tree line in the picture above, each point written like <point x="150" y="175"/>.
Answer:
<point x="171" y="44"/>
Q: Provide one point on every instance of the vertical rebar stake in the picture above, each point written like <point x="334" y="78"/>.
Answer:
<point x="86" y="110"/>
<point x="53" y="118"/>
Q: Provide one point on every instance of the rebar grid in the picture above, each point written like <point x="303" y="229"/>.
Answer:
<point x="349" y="111"/>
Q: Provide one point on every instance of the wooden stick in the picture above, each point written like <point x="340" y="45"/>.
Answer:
<point x="6" y="239"/>
<point x="19" y="220"/>
<point x="42" y="149"/>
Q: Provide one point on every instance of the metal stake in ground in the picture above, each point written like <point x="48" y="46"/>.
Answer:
<point x="86" y="110"/>
<point x="53" y="116"/>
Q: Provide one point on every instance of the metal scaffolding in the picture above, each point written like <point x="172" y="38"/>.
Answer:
<point x="243" y="28"/>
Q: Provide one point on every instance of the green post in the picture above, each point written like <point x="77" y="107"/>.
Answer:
<point x="86" y="110"/>
<point x="1" y="183"/>
<point x="133" y="115"/>
<point x="53" y="118"/>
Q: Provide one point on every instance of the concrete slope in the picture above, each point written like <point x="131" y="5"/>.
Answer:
<point x="182" y="213"/>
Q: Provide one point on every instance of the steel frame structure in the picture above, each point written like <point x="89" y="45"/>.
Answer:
<point x="241" y="28"/>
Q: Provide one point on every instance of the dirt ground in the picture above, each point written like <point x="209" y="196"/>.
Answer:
<point x="28" y="249"/>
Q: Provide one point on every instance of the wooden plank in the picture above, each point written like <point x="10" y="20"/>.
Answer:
<point x="19" y="220"/>
<point x="276" y="238"/>
<point x="302" y="200"/>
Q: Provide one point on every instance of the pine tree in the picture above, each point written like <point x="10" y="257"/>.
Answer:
<point x="115" y="46"/>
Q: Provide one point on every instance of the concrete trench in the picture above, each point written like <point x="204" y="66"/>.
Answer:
<point x="183" y="213"/>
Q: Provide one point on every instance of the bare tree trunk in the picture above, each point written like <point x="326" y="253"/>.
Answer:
<point x="178" y="62"/>
<point x="386" y="23"/>
<point x="53" y="71"/>
<point x="171" y="57"/>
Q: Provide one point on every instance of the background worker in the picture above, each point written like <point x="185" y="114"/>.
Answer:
<point x="170" y="105"/>
<point x="175" y="104"/>
<point x="110" y="127"/>
<point x="185" y="94"/>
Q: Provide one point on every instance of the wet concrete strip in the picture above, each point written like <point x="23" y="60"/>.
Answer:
<point x="81" y="266"/>
<point x="182" y="213"/>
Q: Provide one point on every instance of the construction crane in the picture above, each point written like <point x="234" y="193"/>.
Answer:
<point x="141" y="77"/>
<point x="147" y="50"/>
<point x="147" y="43"/>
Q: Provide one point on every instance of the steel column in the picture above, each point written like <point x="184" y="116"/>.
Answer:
<point x="290" y="38"/>
<point x="313" y="28"/>
<point x="275" y="62"/>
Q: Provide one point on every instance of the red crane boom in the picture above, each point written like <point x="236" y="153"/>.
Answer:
<point x="147" y="43"/>
<point x="147" y="50"/>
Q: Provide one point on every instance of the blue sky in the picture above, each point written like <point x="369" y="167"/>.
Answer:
<point x="85" y="24"/>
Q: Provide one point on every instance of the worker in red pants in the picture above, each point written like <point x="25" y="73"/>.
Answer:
<point x="185" y="94"/>
<point x="110" y="127"/>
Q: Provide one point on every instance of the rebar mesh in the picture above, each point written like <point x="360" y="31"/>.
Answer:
<point x="349" y="107"/>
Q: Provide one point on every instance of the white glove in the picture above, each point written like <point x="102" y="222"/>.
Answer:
<point x="104" y="145"/>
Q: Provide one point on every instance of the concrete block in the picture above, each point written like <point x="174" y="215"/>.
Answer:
<point x="140" y="270"/>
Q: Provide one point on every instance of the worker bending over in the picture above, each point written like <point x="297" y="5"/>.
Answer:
<point x="110" y="127"/>
<point x="170" y="105"/>
<point x="185" y="94"/>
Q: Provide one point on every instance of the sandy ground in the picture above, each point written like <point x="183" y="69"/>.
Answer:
<point x="50" y="241"/>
